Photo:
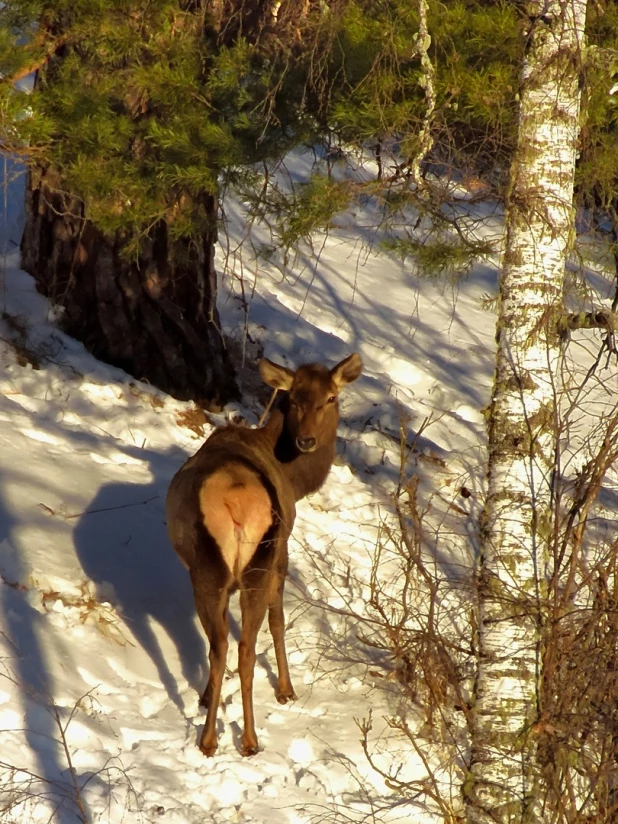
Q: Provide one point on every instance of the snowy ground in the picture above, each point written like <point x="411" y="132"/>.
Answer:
<point x="101" y="654"/>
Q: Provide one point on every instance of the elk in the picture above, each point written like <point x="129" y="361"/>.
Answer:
<point x="307" y="416"/>
<point x="230" y="512"/>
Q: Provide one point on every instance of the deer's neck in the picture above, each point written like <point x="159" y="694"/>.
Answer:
<point x="306" y="471"/>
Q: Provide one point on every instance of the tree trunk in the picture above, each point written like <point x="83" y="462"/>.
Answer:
<point x="153" y="314"/>
<point x="502" y="783"/>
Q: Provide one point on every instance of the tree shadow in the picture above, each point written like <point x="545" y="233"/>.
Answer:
<point x="28" y="669"/>
<point x="121" y="542"/>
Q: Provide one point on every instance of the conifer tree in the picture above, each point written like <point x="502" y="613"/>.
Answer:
<point x="141" y="109"/>
<point x="138" y="109"/>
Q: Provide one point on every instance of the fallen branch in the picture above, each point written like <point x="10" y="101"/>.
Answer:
<point x="107" y="508"/>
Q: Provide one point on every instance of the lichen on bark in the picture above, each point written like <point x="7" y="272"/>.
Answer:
<point x="502" y="784"/>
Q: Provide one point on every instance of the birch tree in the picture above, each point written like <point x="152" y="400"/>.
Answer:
<point x="514" y="560"/>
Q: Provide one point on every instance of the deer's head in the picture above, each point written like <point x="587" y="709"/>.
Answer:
<point x="313" y="392"/>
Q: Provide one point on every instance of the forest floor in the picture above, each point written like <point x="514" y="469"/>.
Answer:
<point x="102" y="657"/>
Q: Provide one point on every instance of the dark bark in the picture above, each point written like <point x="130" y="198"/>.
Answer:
<point x="154" y="316"/>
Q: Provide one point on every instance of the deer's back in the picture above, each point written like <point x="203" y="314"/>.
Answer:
<point x="224" y="454"/>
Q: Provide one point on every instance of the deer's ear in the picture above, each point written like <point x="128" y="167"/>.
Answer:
<point x="279" y="377"/>
<point x="347" y="371"/>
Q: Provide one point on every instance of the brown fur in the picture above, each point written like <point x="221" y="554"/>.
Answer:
<point x="310" y="408"/>
<point x="230" y="511"/>
<point x="237" y="513"/>
<point x="233" y="488"/>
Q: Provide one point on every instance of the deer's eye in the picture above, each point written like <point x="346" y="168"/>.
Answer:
<point x="332" y="399"/>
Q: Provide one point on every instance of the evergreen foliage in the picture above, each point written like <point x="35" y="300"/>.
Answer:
<point x="368" y="94"/>
<point x="145" y="107"/>
<point x="142" y="105"/>
<point x="478" y="51"/>
<point x="375" y="76"/>
<point x="442" y="256"/>
<point x="597" y="171"/>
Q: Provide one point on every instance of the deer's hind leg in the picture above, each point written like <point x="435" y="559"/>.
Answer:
<point x="253" y="606"/>
<point x="276" y="623"/>
<point x="212" y="607"/>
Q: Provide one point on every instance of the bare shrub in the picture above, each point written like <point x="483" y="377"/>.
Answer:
<point x="418" y="617"/>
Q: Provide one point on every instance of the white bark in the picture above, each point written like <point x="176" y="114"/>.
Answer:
<point x="513" y="567"/>
<point x="427" y="83"/>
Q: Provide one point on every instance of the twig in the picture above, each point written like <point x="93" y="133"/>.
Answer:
<point x="108" y="508"/>
<point x="267" y="410"/>
<point x="79" y="801"/>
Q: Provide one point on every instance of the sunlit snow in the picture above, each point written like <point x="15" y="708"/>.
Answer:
<point x="99" y="640"/>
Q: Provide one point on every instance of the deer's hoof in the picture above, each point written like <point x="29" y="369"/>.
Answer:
<point x="284" y="697"/>
<point x="208" y="749"/>
<point x="249" y="749"/>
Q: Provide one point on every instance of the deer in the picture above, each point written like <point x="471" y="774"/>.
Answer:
<point x="307" y="417"/>
<point x="230" y="512"/>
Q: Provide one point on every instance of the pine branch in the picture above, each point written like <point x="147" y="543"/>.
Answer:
<point x="50" y="50"/>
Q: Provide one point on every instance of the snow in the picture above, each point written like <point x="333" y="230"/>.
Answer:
<point x="102" y="658"/>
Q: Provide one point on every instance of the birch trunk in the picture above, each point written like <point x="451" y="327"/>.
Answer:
<point x="502" y="783"/>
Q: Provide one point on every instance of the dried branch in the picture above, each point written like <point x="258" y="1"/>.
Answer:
<point x="588" y="320"/>
<point x="50" y="47"/>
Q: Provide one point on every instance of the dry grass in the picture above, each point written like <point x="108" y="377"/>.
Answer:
<point x="89" y="610"/>
<point x="195" y="419"/>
